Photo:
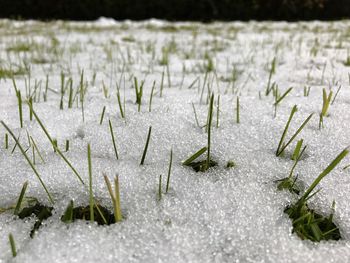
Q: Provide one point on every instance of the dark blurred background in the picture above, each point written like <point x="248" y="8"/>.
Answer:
<point x="199" y="10"/>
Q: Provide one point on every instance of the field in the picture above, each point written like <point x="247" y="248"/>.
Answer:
<point x="174" y="142"/>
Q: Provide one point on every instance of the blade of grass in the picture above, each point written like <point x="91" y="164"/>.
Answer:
<point x="195" y="156"/>
<point x="113" y="139"/>
<point x="102" y="115"/>
<point x="237" y="110"/>
<point x="120" y="103"/>
<point x="117" y="208"/>
<point x="13" y="245"/>
<point x="293" y="111"/>
<point x="146" y="146"/>
<point x="326" y="171"/>
<point x="92" y="218"/>
<point x="195" y="115"/>
<point x="169" y="171"/>
<point x="296" y="133"/>
<point x="209" y="127"/>
<point x="20" y="199"/>
<point x="160" y="188"/>
<point x="68" y="213"/>
<point x="151" y="97"/>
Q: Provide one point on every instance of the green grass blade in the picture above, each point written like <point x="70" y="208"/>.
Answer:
<point x="20" y="199"/>
<point x="237" y="110"/>
<point x="283" y="96"/>
<point x="151" y="97"/>
<point x="113" y="139"/>
<point x="160" y="188"/>
<point x="13" y="245"/>
<point x="102" y="115"/>
<point x="329" y="168"/>
<point x="195" y="115"/>
<point x="209" y="127"/>
<point x="294" y="110"/>
<point x="146" y="146"/>
<point x="68" y="213"/>
<point x="195" y="156"/>
<point x="117" y="207"/>
<point x="169" y="171"/>
<point x="92" y="219"/>
<point x="296" y="133"/>
<point x="120" y="104"/>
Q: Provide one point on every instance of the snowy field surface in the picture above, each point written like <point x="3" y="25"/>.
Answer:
<point x="224" y="214"/>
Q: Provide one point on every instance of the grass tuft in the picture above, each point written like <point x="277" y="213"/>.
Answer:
<point x="115" y="197"/>
<point x="308" y="224"/>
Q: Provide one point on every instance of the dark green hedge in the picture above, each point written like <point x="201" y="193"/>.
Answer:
<point x="204" y="10"/>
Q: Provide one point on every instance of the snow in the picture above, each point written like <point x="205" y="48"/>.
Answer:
<point x="222" y="215"/>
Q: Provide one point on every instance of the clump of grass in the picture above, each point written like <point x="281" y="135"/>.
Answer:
<point x="13" y="70"/>
<point x="101" y="215"/>
<point x="204" y="165"/>
<point x="282" y="145"/>
<point x="230" y="164"/>
<point x="307" y="223"/>
<point x="307" y="90"/>
<point x="289" y="183"/>
<point x="20" y="47"/>
<point x="28" y="206"/>
<point x="115" y="197"/>
<point x="41" y="212"/>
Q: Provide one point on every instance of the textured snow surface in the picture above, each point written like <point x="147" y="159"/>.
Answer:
<point x="222" y="215"/>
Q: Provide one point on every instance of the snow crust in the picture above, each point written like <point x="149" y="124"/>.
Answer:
<point x="223" y="215"/>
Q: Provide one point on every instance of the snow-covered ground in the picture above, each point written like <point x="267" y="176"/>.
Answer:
<point x="221" y="215"/>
